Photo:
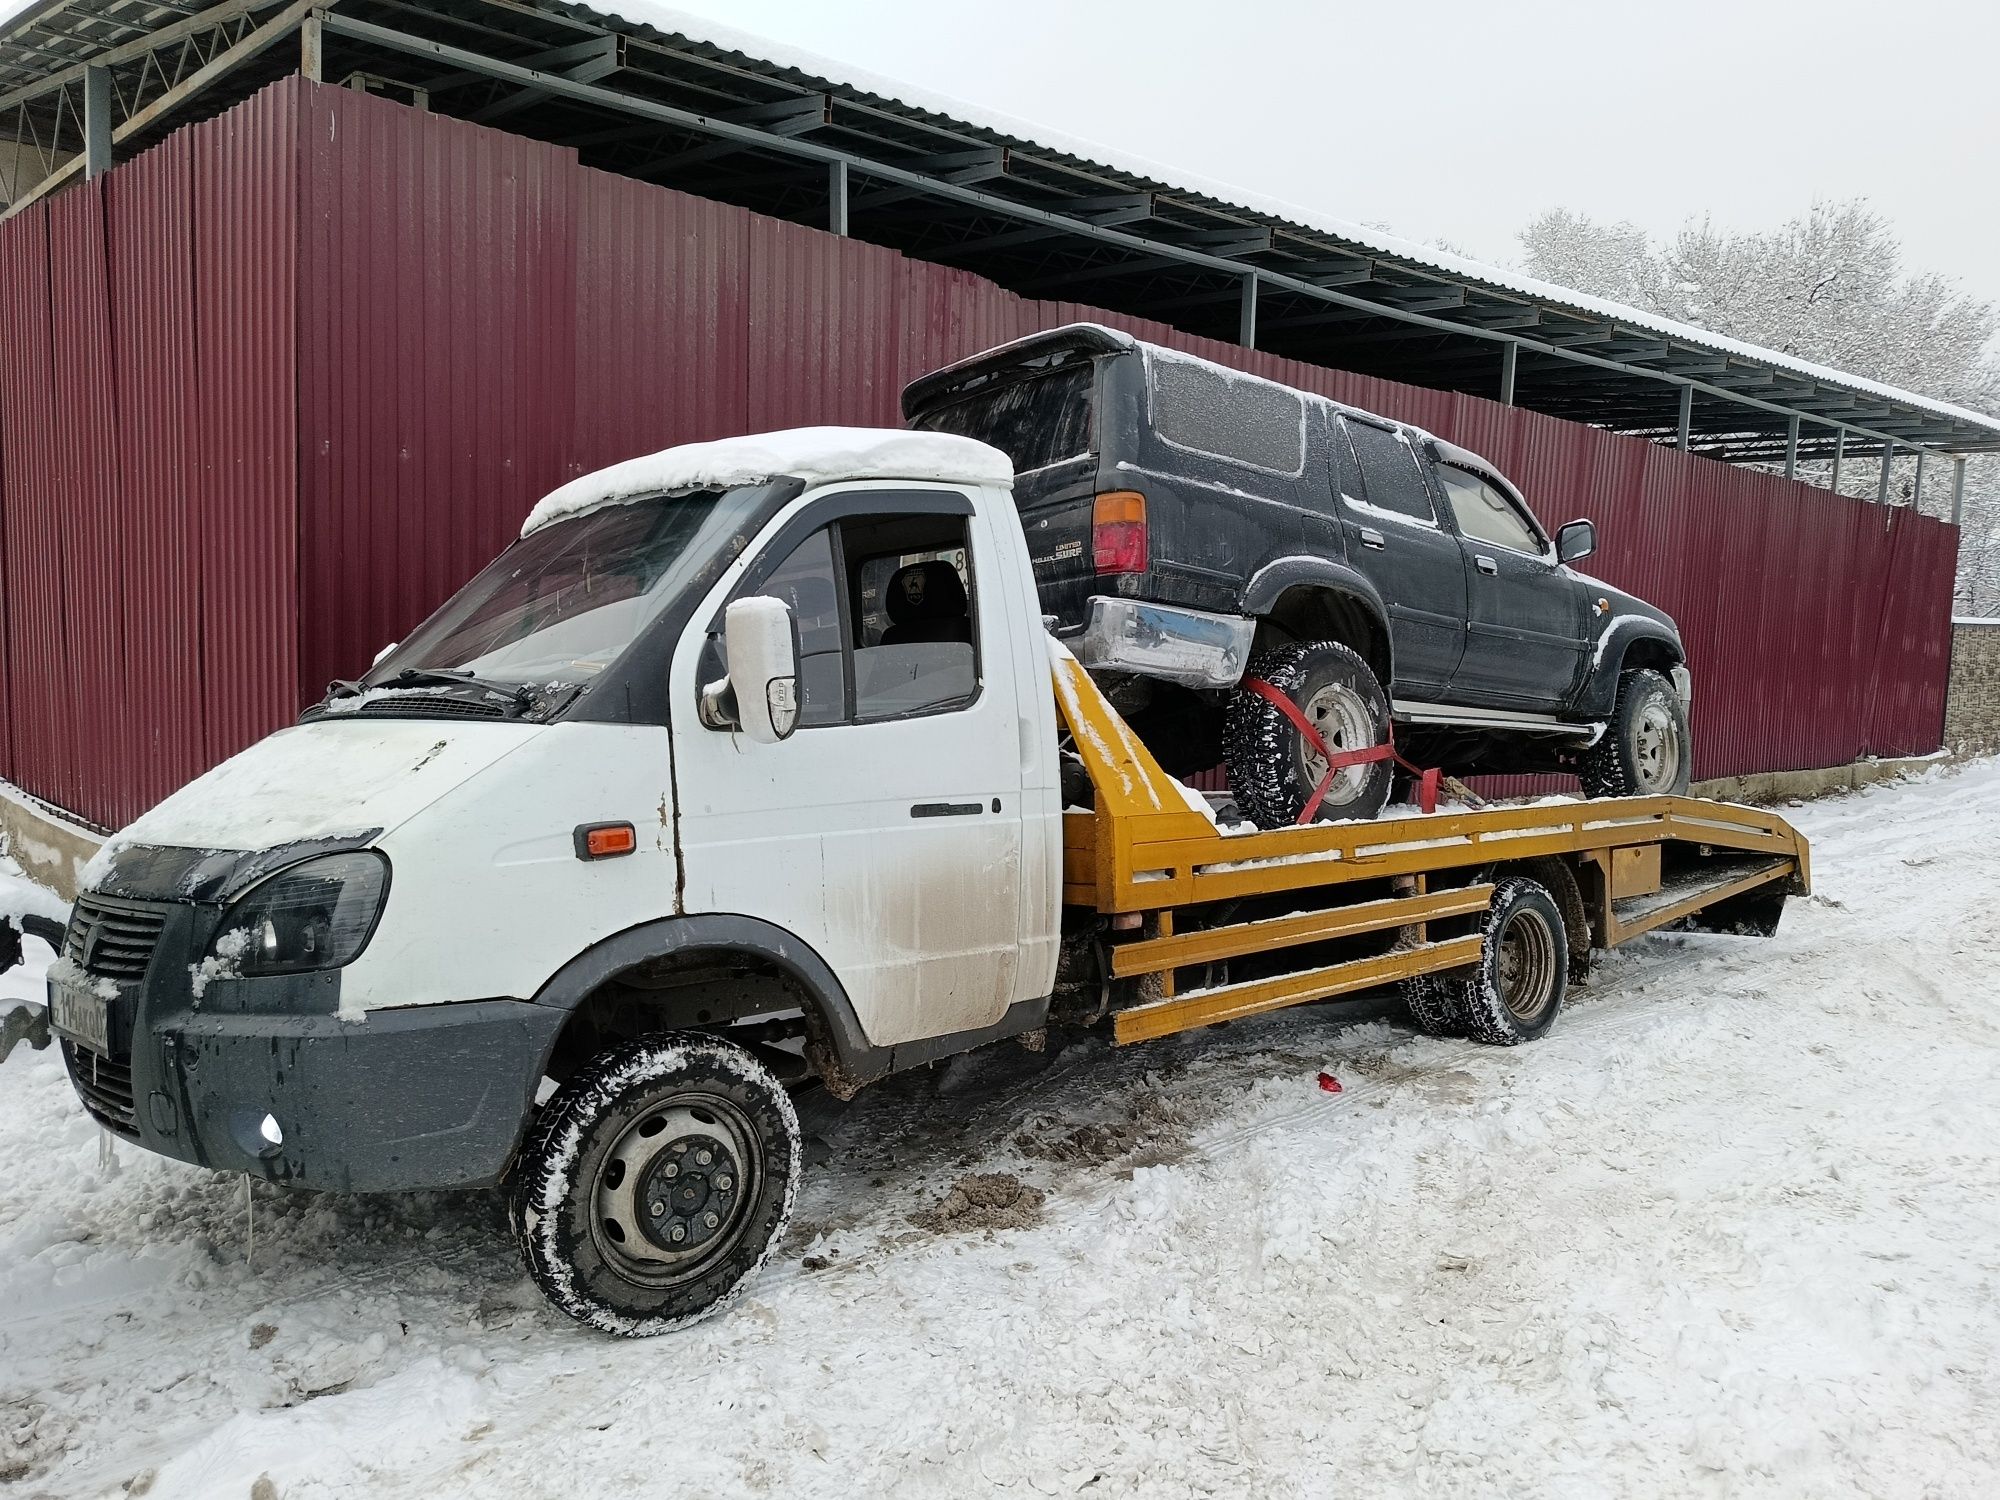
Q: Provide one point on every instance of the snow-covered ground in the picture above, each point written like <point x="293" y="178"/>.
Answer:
<point x="1733" y="1228"/>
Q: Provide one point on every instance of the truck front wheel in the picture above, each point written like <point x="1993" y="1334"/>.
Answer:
<point x="1274" y="770"/>
<point x="656" y="1182"/>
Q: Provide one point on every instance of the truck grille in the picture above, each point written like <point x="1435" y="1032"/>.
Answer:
<point x="105" y="1086"/>
<point x="113" y="937"/>
<point x="443" y="706"/>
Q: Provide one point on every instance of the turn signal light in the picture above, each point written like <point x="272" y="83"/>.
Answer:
<point x="1118" y="532"/>
<point x="605" y="840"/>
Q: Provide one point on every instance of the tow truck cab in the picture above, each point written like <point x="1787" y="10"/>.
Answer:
<point x="348" y="957"/>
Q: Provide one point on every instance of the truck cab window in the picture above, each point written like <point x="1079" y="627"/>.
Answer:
<point x="1485" y="514"/>
<point x="905" y="639"/>
<point x="1389" y="473"/>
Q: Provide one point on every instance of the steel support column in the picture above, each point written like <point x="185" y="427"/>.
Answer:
<point x="1246" y="320"/>
<point x="1792" y="448"/>
<point x="312" y="49"/>
<point x="1958" y="490"/>
<point x="836" y="188"/>
<point x="1510" y="357"/>
<point x="1882" y="484"/>
<point x="1839" y="452"/>
<point x="1917" y="492"/>
<point x="96" y="121"/>
<point x="1687" y="417"/>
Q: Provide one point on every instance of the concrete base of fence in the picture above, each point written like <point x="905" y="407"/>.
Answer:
<point x="1763" y="787"/>
<point x="49" y="848"/>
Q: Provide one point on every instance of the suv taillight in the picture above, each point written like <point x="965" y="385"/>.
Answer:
<point x="1118" y="532"/>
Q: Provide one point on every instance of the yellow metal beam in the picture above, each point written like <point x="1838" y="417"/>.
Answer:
<point x="1695" y="901"/>
<point x="1154" y="955"/>
<point x="1231" y="1002"/>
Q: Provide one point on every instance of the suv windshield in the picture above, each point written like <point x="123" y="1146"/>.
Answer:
<point x="560" y="605"/>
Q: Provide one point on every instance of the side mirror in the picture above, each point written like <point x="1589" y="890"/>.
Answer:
<point x="1577" y="539"/>
<point x="763" y="667"/>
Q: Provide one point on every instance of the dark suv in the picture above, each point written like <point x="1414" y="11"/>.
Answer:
<point x="1194" y="528"/>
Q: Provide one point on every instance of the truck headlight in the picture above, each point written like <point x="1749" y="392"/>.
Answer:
<point x="319" y="914"/>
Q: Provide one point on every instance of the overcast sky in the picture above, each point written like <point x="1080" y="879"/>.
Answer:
<point x="1461" y="119"/>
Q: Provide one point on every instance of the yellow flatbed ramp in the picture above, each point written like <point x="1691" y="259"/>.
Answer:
<point x="1418" y="885"/>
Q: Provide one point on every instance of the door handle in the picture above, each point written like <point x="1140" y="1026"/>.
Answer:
<point x="944" y="809"/>
<point x="1485" y="564"/>
<point x="1370" y="537"/>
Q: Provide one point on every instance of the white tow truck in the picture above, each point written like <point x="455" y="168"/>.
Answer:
<point x="751" y="765"/>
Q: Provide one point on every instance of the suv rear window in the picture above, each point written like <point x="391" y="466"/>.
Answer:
<point x="1035" y="422"/>
<point x="1216" y="411"/>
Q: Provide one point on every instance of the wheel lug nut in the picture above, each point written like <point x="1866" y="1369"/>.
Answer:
<point x="704" y="1157"/>
<point x="710" y="1220"/>
<point x="677" y="1233"/>
<point x="670" y="1170"/>
<point x="659" y="1209"/>
<point x="722" y="1183"/>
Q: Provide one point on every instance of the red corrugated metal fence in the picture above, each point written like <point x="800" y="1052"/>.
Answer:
<point x="271" y="391"/>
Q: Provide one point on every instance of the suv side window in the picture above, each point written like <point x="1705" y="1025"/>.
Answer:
<point x="1485" y="514"/>
<point x="886" y="618"/>
<point x="1389" y="473"/>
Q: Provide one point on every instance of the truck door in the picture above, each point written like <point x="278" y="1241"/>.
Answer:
<point x="887" y="831"/>
<point x="1393" y="537"/>
<point x="1524" y="616"/>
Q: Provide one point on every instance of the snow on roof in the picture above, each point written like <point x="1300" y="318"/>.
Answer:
<point x="1027" y="136"/>
<point x="818" y="455"/>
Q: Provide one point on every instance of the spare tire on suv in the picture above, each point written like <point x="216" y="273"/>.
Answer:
<point x="1274" y="770"/>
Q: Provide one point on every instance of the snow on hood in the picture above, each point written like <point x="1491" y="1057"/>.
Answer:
<point x="817" y="455"/>
<point x="328" y="779"/>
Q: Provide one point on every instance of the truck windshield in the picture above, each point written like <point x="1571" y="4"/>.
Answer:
<point x="559" y="605"/>
<point x="1035" y="422"/>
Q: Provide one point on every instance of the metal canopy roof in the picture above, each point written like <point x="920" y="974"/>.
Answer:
<point x="708" y="118"/>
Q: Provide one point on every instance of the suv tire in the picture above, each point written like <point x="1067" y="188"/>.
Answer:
<point x="656" y="1182"/>
<point x="1273" y="772"/>
<point x="1644" y="749"/>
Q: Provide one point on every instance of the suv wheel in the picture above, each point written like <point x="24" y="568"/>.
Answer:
<point x="1644" y="749"/>
<point x="656" y="1182"/>
<point x="1273" y="770"/>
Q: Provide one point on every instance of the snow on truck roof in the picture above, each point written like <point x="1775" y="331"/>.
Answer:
<point x="818" y="455"/>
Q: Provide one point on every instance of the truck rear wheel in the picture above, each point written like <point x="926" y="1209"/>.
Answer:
<point x="656" y="1182"/>
<point x="1516" y="990"/>
<point x="1273" y="769"/>
<point x="1644" y="749"/>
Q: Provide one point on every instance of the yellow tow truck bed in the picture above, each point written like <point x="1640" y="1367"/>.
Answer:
<point x="1161" y="870"/>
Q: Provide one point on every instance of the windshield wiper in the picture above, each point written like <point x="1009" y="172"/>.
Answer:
<point x="517" y="692"/>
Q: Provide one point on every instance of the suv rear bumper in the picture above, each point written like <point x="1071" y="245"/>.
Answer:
<point x="1189" y="646"/>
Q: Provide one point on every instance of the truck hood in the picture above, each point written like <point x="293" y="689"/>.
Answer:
<point x="345" y="780"/>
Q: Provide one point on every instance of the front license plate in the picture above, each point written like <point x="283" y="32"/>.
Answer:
<point x="80" y="1015"/>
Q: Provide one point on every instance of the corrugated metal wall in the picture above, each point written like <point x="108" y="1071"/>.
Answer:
<point x="270" y="392"/>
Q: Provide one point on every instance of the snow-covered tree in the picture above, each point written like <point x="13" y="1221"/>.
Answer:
<point x="1829" y="286"/>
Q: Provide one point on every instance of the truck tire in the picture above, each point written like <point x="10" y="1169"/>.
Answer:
<point x="1643" y="751"/>
<point x="656" y="1182"/>
<point x="1515" y="991"/>
<point x="1435" y="1005"/>
<point x="1273" y="771"/>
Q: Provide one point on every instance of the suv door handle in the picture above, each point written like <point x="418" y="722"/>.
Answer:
<point x="1485" y="564"/>
<point x="1370" y="537"/>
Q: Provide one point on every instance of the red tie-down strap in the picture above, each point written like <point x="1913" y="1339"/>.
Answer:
<point x="1338" y="761"/>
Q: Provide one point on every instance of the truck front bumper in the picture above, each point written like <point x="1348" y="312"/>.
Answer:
<point x="432" y="1096"/>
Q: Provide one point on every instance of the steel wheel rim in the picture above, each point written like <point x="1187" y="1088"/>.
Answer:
<point x="1526" y="964"/>
<point x="653" y="1179"/>
<point x="1344" y="723"/>
<point x="1656" y="749"/>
